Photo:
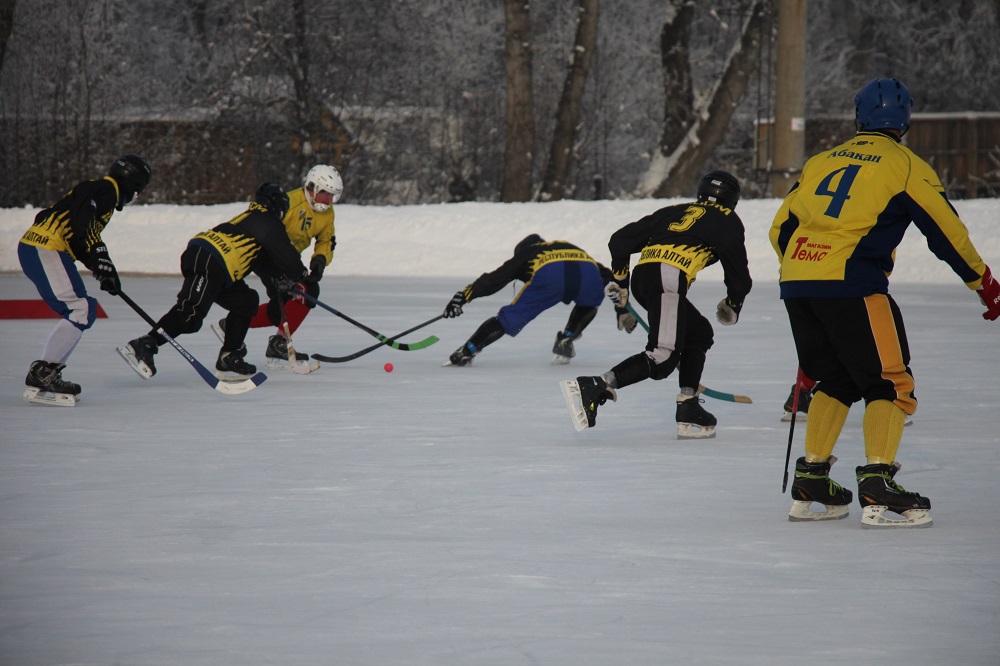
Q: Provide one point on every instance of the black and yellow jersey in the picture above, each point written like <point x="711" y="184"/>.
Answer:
<point x="74" y="223"/>
<point x="688" y="236"/>
<point x="304" y="224"/>
<point x="837" y="231"/>
<point x="531" y="254"/>
<point x="254" y="241"/>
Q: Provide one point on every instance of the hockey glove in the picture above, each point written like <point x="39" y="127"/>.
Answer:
<point x="989" y="294"/>
<point x="728" y="313"/>
<point x="104" y="270"/>
<point x="454" y="307"/>
<point x="287" y="287"/>
<point x="626" y="320"/>
<point x="316" y="267"/>
<point x="617" y="294"/>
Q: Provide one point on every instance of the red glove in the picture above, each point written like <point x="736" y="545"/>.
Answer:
<point x="989" y="294"/>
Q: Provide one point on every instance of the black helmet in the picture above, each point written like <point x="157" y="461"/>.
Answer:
<point x="273" y="198"/>
<point x="132" y="173"/>
<point x="527" y="242"/>
<point x="719" y="187"/>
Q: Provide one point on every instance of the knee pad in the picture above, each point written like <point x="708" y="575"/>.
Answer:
<point x="81" y="312"/>
<point x="663" y="370"/>
<point x="194" y="324"/>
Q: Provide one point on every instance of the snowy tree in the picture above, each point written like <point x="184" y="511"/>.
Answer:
<point x="691" y="132"/>
<point x="563" y="146"/>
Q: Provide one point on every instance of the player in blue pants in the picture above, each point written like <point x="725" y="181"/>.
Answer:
<point x="553" y="272"/>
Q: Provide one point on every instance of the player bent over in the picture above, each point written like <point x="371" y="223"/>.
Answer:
<point x="69" y="231"/>
<point x="673" y="244"/>
<point x="214" y="266"/>
<point x="309" y="218"/>
<point x="553" y="272"/>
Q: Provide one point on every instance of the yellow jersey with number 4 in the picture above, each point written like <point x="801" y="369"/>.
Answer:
<point x="837" y="231"/>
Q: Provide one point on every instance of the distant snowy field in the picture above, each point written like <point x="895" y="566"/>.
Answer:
<point x="445" y="240"/>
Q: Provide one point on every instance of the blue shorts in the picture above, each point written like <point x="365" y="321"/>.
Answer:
<point x="567" y="282"/>
<point x="59" y="284"/>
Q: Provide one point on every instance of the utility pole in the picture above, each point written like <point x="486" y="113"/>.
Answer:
<point x="789" y="129"/>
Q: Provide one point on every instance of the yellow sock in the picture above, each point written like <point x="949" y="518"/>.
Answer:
<point x="826" y="419"/>
<point x="883" y="429"/>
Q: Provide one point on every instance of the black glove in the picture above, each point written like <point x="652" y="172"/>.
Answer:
<point x="454" y="307"/>
<point x="104" y="269"/>
<point x="728" y="312"/>
<point x="316" y="267"/>
<point x="285" y="285"/>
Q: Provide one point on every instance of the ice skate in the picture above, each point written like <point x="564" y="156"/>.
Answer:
<point x="805" y="397"/>
<point x="878" y="493"/>
<point x="219" y="328"/>
<point x="277" y="357"/>
<point x="693" y="422"/>
<point x="562" y="350"/>
<point x="139" y="355"/>
<point x="231" y="367"/>
<point x="813" y="484"/>
<point x="47" y="387"/>
<point x="583" y="396"/>
<point x="461" y="357"/>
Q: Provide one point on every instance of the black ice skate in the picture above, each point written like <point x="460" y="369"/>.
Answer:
<point x="583" y="396"/>
<point x="219" y="328"/>
<point x="461" y="357"/>
<point x="277" y="357"/>
<point x="47" y="387"/>
<point x="562" y="350"/>
<point x="805" y="397"/>
<point x="139" y="355"/>
<point x="878" y="493"/>
<point x="231" y="365"/>
<point x="813" y="484"/>
<point x="693" y="422"/>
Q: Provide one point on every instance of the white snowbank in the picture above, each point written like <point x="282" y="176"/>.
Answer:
<point x="463" y="240"/>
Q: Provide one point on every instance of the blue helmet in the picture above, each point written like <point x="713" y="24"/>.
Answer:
<point x="883" y="104"/>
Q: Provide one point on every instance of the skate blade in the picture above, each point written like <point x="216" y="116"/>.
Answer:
<point x="140" y="368"/>
<point x="40" y="397"/>
<point x="229" y="376"/>
<point x="449" y="364"/>
<point x="873" y="517"/>
<point x="559" y="359"/>
<point x="786" y="417"/>
<point x="574" y="403"/>
<point x="801" y="512"/>
<point x="297" y="367"/>
<point x="695" y="431"/>
<point x="219" y="333"/>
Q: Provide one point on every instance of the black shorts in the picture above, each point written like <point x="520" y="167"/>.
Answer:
<point x="854" y="347"/>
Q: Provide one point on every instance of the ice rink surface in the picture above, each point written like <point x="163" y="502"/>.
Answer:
<point x="453" y="516"/>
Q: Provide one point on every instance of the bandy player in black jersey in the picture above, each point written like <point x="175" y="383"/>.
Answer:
<point x="673" y="245"/>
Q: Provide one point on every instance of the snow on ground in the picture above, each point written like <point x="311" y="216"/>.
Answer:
<point x="453" y="515"/>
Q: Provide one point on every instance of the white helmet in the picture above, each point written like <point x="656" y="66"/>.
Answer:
<point x="323" y="186"/>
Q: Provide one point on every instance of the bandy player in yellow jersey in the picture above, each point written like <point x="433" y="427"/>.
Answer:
<point x="836" y="234"/>
<point x="309" y="218"/>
